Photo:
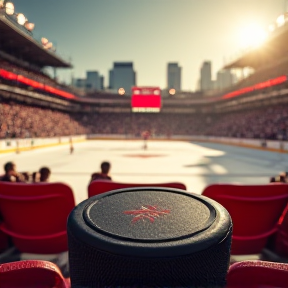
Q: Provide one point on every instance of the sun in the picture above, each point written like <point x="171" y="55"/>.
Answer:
<point x="252" y="36"/>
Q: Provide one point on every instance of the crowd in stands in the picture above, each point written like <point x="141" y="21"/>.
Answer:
<point x="264" y="123"/>
<point x="22" y="121"/>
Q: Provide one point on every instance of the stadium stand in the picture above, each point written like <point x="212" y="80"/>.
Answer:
<point x="267" y="123"/>
<point x="257" y="99"/>
<point x="24" y="121"/>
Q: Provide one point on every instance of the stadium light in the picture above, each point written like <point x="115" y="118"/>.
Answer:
<point x="48" y="46"/>
<point x="121" y="91"/>
<point x="280" y="20"/>
<point x="9" y="8"/>
<point x="21" y="19"/>
<point x="29" y="26"/>
<point x="44" y="41"/>
<point x="172" y="91"/>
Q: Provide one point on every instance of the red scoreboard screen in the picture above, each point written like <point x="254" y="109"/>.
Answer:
<point x="146" y="99"/>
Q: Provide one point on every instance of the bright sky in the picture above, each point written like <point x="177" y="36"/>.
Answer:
<point x="151" y="33"/>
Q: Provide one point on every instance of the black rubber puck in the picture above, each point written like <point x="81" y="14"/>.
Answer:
<point x="149" y="237"/>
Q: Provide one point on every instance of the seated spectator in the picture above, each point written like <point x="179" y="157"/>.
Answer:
<point x="44" y="173"/>
<point x="11" y="174"/>
<point x="35" y="177"/>
<point x="281" y="178"/>
<point x="103" y="175"/>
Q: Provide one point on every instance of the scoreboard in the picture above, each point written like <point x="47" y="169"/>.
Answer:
<point x="146" y="99"/>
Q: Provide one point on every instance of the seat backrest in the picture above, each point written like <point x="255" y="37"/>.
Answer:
<point x="35" y="215"/>
<point x="4" y="241"/>
<point x="33" y="274"/>
<point x="101" y="186"/>
<point x="281" y="238"/>
<point x="254" y="209"/>
<point x="257" y="274"/>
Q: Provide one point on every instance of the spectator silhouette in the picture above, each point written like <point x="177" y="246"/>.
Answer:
<point x="45" y="173"/>
<point x="11" y="174"/>
<point x="104" y="174"/>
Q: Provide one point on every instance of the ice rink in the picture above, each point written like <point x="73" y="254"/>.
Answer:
<point x="194" y="164"/>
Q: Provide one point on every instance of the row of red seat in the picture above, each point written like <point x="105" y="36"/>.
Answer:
<point x="43" y="274"/>
<point x="255" y="211"/>
<point x="40" y="274"/>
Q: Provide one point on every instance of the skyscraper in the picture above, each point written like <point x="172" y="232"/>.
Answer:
<point x="174" y="76"/>
<point x="94" y="81"/>
<point x="122" y="76"/>
<point x="206" y="76"/>
<point x="225" y="79"/>
<point x="79" y="83"/>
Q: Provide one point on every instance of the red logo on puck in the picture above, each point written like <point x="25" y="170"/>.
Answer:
<point x="146" y="212"/>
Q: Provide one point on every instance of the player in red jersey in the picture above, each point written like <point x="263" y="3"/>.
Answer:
<point x="145" y="135"/>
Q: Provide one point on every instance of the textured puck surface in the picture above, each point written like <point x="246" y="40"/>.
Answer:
<point x="149" y="237"/>
<point x="149" y="216"/>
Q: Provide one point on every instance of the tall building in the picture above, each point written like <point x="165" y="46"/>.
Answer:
<point x="111" y="77"/>
<point x="174" y="76"/>
<point x="225" y="79"/>
<point x="122" y="76"/>
<point x="94" y="81"/>
<point x="79" y="83"/>
<point x="206" y="76"/>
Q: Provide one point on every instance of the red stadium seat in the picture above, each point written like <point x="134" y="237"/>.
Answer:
<point x="35" y="215"/>
<point x="281" y="238"/>
<point x="3" y="241"/>
<point x="102" y="186"/>
<point x="32" y="274"/>
<point x="277" y="248"/>
<point x="257" y="274"/>
<point x="255" y="211"/>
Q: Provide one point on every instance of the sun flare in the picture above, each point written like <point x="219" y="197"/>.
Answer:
<point x="252" y="35"/>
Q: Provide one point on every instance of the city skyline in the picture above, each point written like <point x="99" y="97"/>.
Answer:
<point x="148" y="33"/>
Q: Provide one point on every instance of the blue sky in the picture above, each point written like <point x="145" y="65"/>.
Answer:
<point x="95" y="33"/>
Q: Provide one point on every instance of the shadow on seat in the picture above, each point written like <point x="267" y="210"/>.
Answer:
<point x="101" y="186"/>
<point x="257" y="274"/>
<point x="35" y="215"/>
<point x="32" y="274"/>
<point x="277" y="248"/>
<point x="4" y="242"/>
<point x="255" y="211"/>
